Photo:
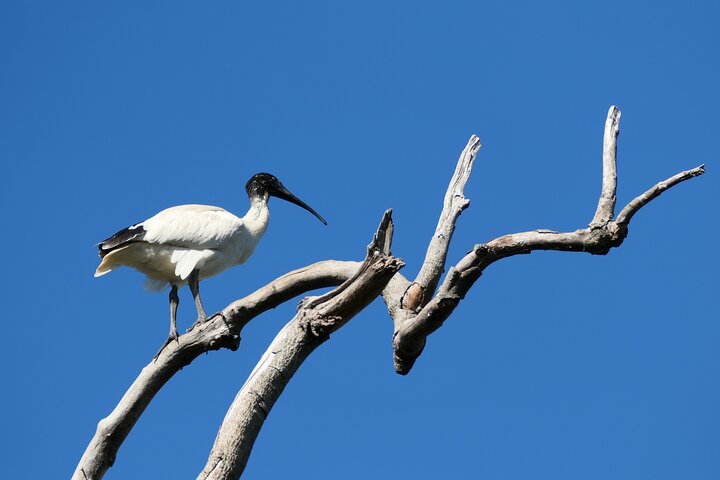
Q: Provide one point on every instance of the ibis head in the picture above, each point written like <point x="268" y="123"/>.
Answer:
<point x="264" y="184"/>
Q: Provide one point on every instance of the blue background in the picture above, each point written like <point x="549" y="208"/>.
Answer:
<point x="557" y="366"/>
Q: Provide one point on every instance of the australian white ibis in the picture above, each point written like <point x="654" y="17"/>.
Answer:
<point x="189" y="243"/>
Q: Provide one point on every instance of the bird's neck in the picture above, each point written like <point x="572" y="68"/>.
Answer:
<point x="257" y="217"/>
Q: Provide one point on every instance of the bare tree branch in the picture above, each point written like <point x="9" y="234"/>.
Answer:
<point x="641" y="200"/>
<point x="315" y="320"/>
<point x="602" y="235"/>
<point x="453" y="205"/>
<point x="416" y="309"/>
<point x="606" y="203"/>
<point x="381" y="242"/>
<point x="405" y="299"/>
<point x="220" y="331"/>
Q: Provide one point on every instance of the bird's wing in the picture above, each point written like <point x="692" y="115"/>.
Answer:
<point x="193" y="227"/>
<point x="194" y="232"/>
<point x="186" y="260"/>
<point x="133" y="233"/>
<point x="190" y="234"/>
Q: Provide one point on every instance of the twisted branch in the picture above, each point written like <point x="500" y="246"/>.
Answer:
<point x="315" y="320"/>
<point x="220" y="331"/>
<point x="416" y="309"/>
<point x="602" y="235"/>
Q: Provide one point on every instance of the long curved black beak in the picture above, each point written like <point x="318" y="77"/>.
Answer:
<point x="280" y="191"/>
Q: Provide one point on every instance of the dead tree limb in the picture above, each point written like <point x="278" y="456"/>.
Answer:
<point x="405" y="299"/>
<point x="315" y="320"/>
<point x="602" y="234"/>
<point x="453" y="205"/>
<point x="416" y="308"/>
<point x="640" y="201"/>
<point x="220" y="331"/>
<point x="606" y="203"/>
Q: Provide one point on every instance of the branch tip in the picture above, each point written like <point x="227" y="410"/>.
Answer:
<point x="474" y="143"/>
<point x="614" y="115"/>
<point x="606" y="203"/>
<point x="641" y="200"/>
<point x="382" y="240"/>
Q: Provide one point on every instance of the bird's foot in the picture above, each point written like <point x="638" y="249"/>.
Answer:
<point x="218" y="314"/>
<point x="201" y="319"/>
<point x="171" y="337"/>
<point x="204" y="319"/>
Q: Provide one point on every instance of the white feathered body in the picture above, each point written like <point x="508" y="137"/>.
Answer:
<point x="181" y="239"/>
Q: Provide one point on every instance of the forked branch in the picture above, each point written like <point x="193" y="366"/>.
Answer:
<point x="405" y="299"/>
<point x="453" y="205"/>
<point x="220" y="331"/>
<point x="416" y="308"/>
<point x="315" y="320"/>
<point x="603" y="234"/>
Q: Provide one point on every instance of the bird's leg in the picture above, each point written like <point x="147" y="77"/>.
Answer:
<point x="194" y="284"/>
<point x="173" y="335"/>
<point x="174" y="302"/>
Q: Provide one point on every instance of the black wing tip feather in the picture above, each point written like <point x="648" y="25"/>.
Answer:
<point x="133" y="233"/>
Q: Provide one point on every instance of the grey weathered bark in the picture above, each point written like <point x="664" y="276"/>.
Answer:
<point x="315" y="320"/>
<point x="453" y="205"/>
<point x="602" y="234"/>
<point x="415" y="295"/>
<point x="606" y="202"/>
<point x="220" y="331"/>
<point x="416" y="308"/>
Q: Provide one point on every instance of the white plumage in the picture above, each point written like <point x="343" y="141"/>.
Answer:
<point x="181" y="239"/>
<point x="188" y="243"/>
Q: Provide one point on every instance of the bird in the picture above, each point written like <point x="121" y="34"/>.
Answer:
<point x="189" y="243"/>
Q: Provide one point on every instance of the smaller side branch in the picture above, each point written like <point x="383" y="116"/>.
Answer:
<point x="606" y="203"/>
<point x="641" y="200"/>
<point x="315" y="320"/>
<point x="410" y="340"/>
<point x="405" y="299"/>
<point x="381" y="242"/>
<point x="602" y="235"/>
<point x="453" y="205"/>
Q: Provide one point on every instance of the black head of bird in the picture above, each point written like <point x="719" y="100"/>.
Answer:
<point x="262" y="184"/>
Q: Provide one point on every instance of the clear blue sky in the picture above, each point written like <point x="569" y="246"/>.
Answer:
<point x="556" y="366"/>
